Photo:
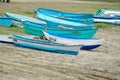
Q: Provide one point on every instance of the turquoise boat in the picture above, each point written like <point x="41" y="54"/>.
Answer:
<point x="56" y="18"/>
<point x="37" y="29"/>
<point x="7" y="22"/>
<point x="30" y="42"/>
<point x="18" y="18"/>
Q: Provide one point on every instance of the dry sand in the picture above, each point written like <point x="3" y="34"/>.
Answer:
<point x="102" y="63"/>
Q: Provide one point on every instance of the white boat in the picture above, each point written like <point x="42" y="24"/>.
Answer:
<point x="91" y="42"/>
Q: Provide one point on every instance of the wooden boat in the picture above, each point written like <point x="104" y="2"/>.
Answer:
<point x="36" y="29"/>
<point x="7" y="22"/>
<point x="56" y="18"/>
<point x="18" y="18"/>
<point x="30" y="42"/>
<point x="6" y="39"/>
<point x="91" y="42"/>
<point x="107" y="19"/>
<point x="108" y="12"/>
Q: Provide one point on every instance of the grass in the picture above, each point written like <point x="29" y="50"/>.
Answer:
<point x="11" y="30"/>
<point x="28" y="9"/>
<point x="104" y="25"/>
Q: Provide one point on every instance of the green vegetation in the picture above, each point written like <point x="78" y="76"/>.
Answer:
<point x="29" y="8"/>
<point x="11" y="30"/>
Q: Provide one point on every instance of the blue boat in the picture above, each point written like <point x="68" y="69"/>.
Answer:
<point x="79" y="17"/>
<point x="30" y="42"/>
<point x="56" y="18"/>
<point x="7" y="22"/>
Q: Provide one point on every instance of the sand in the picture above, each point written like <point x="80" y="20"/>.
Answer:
<point x="102" y="63"/>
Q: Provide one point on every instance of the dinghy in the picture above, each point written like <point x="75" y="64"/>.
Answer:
<point x="30" y="42"/>
<point x="56" y="20"/>
<point x="7" y="22"/>
<point x="93" y="42"/>
<point x="36" y="29"/>
<point x="6" y="39"/>
<point x="18" y="18"/>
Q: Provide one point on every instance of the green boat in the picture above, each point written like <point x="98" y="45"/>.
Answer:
<point x="108" y="12"/>
<point x="37" y="29"/>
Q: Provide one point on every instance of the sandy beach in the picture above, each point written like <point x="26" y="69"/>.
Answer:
<point x="102" y="63"/>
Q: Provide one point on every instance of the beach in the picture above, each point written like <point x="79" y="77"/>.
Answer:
<point x="102" y="63"/>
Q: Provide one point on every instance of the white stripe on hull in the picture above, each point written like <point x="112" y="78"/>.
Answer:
<point x="107" y="20"/>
